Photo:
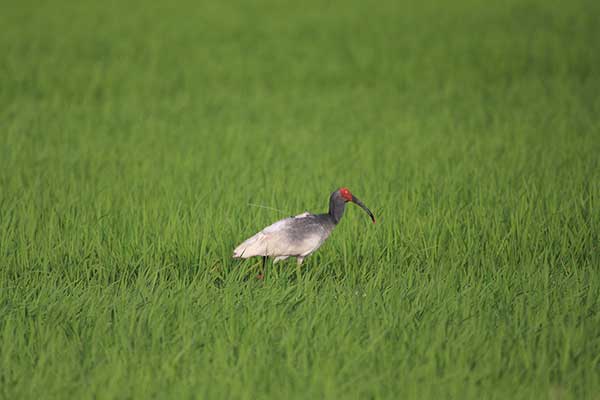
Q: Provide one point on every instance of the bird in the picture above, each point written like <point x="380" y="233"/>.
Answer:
<point x="301" y="235"/>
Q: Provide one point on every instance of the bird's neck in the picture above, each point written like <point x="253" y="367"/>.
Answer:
<point x="336" y="209"/>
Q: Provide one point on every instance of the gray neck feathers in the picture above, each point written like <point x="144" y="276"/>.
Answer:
<point x="336" y="208"/>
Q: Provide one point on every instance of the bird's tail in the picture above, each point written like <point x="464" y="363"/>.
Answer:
<point x="249" y="248"/>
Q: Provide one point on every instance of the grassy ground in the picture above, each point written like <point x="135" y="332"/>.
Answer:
<point x="134" y="135"/>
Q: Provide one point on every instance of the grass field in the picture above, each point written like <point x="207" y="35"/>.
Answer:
<point x="134" y="135"/>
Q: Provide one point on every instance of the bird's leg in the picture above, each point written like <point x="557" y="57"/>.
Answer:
<point x="298" y="264"/>
<point x="262" y="270"/>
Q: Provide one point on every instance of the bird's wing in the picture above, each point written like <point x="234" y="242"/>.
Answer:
<point x="292" y="236"/>
<point x="265" y="242"/>
<point x="278" y="226"/>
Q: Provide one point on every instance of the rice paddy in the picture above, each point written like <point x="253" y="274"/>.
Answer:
<point x="137" y="140"/>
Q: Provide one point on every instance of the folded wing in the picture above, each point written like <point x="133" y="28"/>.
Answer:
<point x="294" y="236"/>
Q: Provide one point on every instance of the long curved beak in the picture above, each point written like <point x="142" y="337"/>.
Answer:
<point x="361" y="205"/>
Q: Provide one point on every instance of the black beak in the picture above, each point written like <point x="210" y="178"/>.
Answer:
<point x="361" y="205"/>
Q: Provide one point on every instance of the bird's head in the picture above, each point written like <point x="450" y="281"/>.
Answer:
<point x="345" y="194"/>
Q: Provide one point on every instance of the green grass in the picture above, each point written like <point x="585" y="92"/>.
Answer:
<point x="134" y="135"/>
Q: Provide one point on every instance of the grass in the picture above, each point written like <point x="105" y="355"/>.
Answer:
<point x="134" y="135"/>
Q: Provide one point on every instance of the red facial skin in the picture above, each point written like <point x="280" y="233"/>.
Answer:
<point x="346" y="194"/>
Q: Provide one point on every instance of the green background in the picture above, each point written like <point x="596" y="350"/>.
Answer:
<point x="134" y="135"/>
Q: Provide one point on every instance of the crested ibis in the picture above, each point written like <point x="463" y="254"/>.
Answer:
<point x="301" y="235"/>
